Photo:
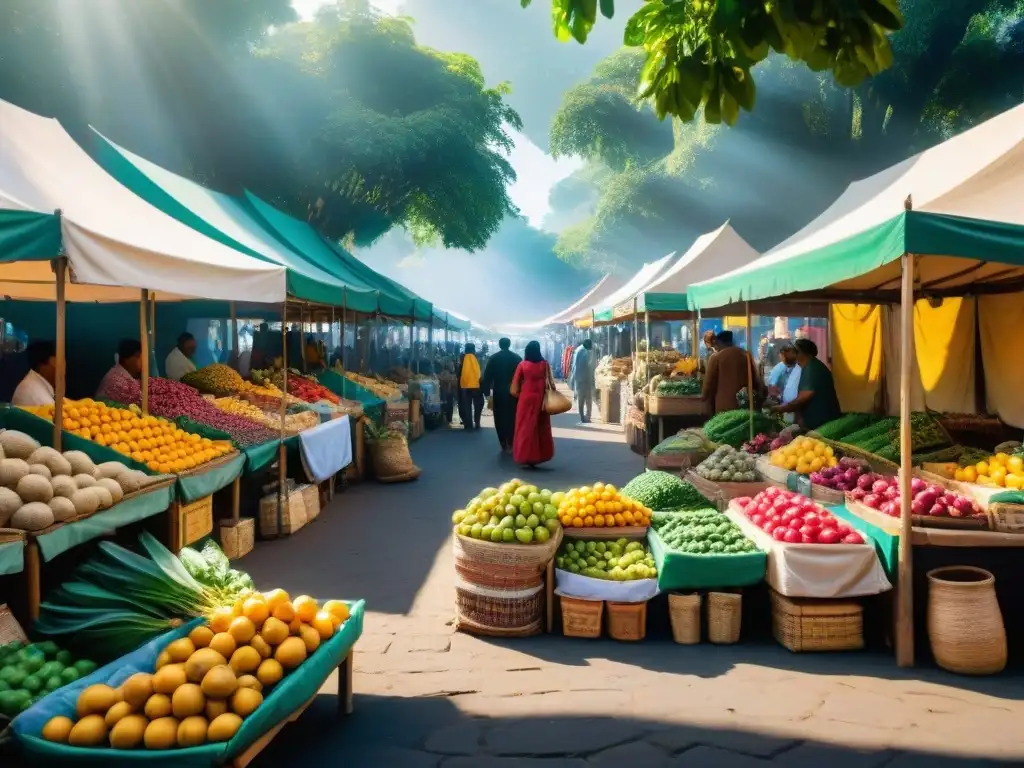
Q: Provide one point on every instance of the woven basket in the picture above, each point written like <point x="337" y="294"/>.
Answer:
<point x="391" y="458"/>
<point x="491" y="575"/>
<point x="965" y="626"/>
<point x="500" y="610"/>
<point x="463" y="624"/>
<point x="627" y="621"/>
<point x="10" y="629"/>
<point x="684" y="614"/>
<point x="523" y="557"/>
<point x="293" y="514"/>
<point x="725" y="615"/>
<point x="237" y="537"/>
<point x="1006" y="518"/>
<point x="8" y="535"/>
<point x="803" y="624"/>
<point x="311" y="500"/>
<point x="581" y="618"/>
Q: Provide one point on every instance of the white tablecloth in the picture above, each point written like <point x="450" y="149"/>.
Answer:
<point x="326" y="449"/>
<point x="816" y="570"/>
<point x="586" y="588"/>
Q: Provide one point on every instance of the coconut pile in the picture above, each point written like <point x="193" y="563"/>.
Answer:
<point x="41" y="486"/>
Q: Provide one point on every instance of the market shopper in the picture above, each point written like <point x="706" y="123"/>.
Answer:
<point x="497" y="384"/>
<point x="37" y="386"/>
<point x="129" y="363"/>
<point x="179" y="361"/>
<point x="782" y="371"/>
<point x="471" y="398"/>
<point x="729" y="369"/>
<point x="817" y="401"/>
<point x="581" y="379"/>
<point x="533" y="443"/>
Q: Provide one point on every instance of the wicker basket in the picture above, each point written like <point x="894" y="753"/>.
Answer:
<point x="462" y="624"/>
<point x="311" y="501"/>
<point x="532" y="557"/>
<point x="725" y="615"/>
<point x="293" y="514"/>
<point x="498" y="610"/>
<point x="237" y="537"/>
<point x="684" y="614"/>
<point x="8" y="535"/>
<point x="391" y="458"/>
<point x="581" y="618"/>
<point x="965" y="626"/>
<point x="803" y="624"/>
<point x="1006" y="518"/>
<point x="627" y="621"/>
<point x="10" y="629"/>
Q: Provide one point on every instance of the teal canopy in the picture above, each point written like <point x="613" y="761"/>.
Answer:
<point x="29" y="236"/>
<point x="305" y="240"/>
<point x="221" y="218"/>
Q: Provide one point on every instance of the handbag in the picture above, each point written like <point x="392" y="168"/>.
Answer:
<point x="554" y="401"/>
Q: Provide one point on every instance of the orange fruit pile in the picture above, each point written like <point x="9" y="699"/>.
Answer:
<point x="1000" y="470"/>
<point x="601" y="506"/>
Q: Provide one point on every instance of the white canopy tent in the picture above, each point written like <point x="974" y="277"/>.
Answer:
<point x="115" y="242"/>
<point x="648" y="273"/>
<point x="604" y="288"/>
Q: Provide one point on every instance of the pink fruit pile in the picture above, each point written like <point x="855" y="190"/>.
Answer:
<point x="795" y="519"/>
<point x="842" y="477"/>
<point x="883" y="493"/>
<point x="759" y="445"/>
<point x="782" y="440"/>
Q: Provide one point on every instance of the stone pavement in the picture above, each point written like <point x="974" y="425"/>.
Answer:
<point x="426" y="696"/>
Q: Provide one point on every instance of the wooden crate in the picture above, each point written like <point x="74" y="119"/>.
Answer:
<point x="293" y="514"/>
<point x="237" y="537"/>
<point x="195" y="520"/>
<point x="676" y="405"/>
<point x="802" y="624"/>
<point x="311" y="500"/>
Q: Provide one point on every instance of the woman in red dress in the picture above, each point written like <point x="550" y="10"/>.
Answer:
<point x="532" y="444"/>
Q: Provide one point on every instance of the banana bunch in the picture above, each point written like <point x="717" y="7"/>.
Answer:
<point x="700" y="52"/>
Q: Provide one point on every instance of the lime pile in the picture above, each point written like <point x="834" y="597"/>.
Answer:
<point x="515" y="513"/>
<point x="620" y="560"/>
<point x="29" y="672"/>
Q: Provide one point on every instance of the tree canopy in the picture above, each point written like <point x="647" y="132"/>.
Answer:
<point x="956" y="63"/>
<point x="344" y="120"/>
<point x="700" y="53"/>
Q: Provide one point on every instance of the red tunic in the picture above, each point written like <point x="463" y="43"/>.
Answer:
<point x="533" y="443"/>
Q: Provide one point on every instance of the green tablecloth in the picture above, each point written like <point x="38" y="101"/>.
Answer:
<point x="344" y="387"/>
<point x="124" y="513"/>
<point x="681" y="570"/>
<point x="259" y="456"/>
<point x="192" y="487"/>
<point x="12" y="557"/>
<point x="281" y="701"/>
<point x="886" y="544"/>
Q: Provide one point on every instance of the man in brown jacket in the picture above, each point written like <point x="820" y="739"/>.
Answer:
<point x="727" y="375"/>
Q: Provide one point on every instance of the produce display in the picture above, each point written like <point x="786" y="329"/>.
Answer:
<point x="40" y="486"/>
<point x="843" y="477"/>
<point x="159" y="444"/>
<point x="293" y="422"/>
<point x="382" y="388"/>
<point x="619" y="560"/>
<point x="29" y="672"/>
<point x="883" y="493"/>
<point x="727" y="465"/>
<point x="679" y="387"/>
<point x="795" y="519"/>
<point x="998" y="471"/>
<point x="846" y="425"/>
<point x="874" y="435"/>
<point x="882" y="438"/>
<point x="617" y="368"/>
<point x="686" y="441"/>
<point x="119" y="599"/>
<point x="804" y="455"/>
<point x="215" y="379"/>
<point x="172" y="399"/>
<point x="701" y="532"/>
<point x="211" y="568"/>
<point x="761" y="444"/>
<point x="513" y="513"/>
<point x="205" y="684"/>
<point x="733" y="427"/>
<point x="662" y="490"/>
<point x="601" y="506"/>
<point x="306" y="388"/>
<point x="782" y="439"/>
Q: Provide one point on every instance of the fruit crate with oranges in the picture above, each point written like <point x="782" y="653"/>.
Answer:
<point x="214" y="691"/>
<point x="601" y="511"/>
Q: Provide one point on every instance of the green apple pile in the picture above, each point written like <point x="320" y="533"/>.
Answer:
<point x="29" y="672"/>
<point x="515" y="513"/>
<point x="619" y="560"/>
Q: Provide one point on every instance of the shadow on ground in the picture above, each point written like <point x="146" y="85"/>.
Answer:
<point x="427" y="732"/>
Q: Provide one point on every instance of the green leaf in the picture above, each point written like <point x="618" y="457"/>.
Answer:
<point x="167" y="562"/>
<point x="607" y="8"/>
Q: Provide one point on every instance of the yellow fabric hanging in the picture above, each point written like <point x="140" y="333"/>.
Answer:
<point x="944" y="341"/>
<point x="857" y="355"/>
<point x="999" y="317"/>
<point x="891" y="343"/>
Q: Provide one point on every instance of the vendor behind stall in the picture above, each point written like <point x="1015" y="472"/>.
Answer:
<point x="179" y="361"/>
<point x="129" y="363"/>
<point x="817" y="402"/>
<point x="37" y="386"/>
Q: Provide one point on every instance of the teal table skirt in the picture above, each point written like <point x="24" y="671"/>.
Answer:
<point x="886" y="544"/>
<point x="280" y="702"/>
<point x="258" y="457"/>
<point x="682" y="570"/>
<point x="130" y="511"/>
<point x="195" y="486"/>
<point x="12" y="557"/>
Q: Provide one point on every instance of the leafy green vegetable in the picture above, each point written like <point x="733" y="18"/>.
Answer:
<point x="662" y="490"/>
<point x="733" y="427"/>
<point x="847" y="424"/>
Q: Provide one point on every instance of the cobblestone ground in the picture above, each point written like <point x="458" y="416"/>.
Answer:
<point x="426" y="696"/>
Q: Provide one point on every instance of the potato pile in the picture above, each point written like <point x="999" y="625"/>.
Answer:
<point x="204" y="685"/>
<point x="41" y="486"/>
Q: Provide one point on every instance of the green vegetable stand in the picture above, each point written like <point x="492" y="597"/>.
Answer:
<point x="687" y="571"/>
<point x="284" y="703"/>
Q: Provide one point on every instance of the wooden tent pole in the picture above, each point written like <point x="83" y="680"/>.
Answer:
<point x="60" y="375"/>
<point x="233" y="354"/>
<point x="750" y="371"/>
<point x="144" y="341"/>
<point x="905" y="586"/>
<point x="282" y="451"/>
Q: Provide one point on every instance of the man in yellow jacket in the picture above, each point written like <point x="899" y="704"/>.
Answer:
<point x="471" y="398"/>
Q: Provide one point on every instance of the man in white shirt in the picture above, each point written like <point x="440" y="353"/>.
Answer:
<point x="179" y="361"/>
<point x="37" y="386"/>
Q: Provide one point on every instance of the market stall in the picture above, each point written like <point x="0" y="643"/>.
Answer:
<point x="931" y="231"/>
